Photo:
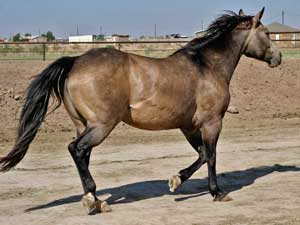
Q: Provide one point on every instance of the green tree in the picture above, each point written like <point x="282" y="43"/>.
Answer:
<point x="49" y="35"/>
<point x="17" y="37"/>
<point x="27" y="35"/>
<point x="100" y="37"/>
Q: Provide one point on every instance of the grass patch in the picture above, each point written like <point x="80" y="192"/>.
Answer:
<point x="291" y="53"/>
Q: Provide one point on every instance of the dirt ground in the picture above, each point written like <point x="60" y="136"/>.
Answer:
<point x="258" y="160"/>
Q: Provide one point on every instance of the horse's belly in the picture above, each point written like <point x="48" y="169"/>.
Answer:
<point x="155" y="117"/>
<point x="151" y="122"/>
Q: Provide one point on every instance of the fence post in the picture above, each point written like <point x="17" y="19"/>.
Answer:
<point x="44" y="51"/>
<point x="119" y="46"/>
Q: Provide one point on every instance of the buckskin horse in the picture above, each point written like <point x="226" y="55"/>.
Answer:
<point x="188" y="90"/>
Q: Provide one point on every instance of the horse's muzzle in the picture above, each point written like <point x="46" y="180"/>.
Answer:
<point x="273" y="56"/>
<point x="275" y="60"/>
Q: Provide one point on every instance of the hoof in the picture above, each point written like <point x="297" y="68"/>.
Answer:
<point x="93" y="205"/>
<point x="222" y="197"/>
<point x="88" y="202"/>
<point x="174" y="182"/>
<point x="102" y="206"/>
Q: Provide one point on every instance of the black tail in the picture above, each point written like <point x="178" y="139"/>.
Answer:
<point x="49" y="83"/>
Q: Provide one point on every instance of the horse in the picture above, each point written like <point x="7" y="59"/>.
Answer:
<point x="188" y="90"/>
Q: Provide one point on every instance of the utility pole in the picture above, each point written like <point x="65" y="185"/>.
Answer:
<point x="100" y="30"/>
<point x="270" y="7"/>
<point x="77" y="30"/>
<point x="155" y="30"/>
<point x="282" y="17"/>
<point x="202" y="25"/>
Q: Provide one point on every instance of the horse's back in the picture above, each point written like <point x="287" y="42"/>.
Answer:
<point x="148" y="93"/>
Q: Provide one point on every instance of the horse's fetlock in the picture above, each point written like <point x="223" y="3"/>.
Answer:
<point x="91" y="186"/>
<point x="214" y="190"/>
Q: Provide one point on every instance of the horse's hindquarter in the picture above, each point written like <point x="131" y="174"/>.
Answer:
<point x="161" y="93"/>
<point x="98" y="86"/>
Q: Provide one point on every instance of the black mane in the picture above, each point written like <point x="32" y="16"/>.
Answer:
<point x="216" y="30"/>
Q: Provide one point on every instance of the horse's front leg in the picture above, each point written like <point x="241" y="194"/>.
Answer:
<point x="210" y="134"/>
<point x="195" y="139"/>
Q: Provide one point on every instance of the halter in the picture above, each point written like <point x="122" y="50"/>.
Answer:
<point x="246" y="43"/>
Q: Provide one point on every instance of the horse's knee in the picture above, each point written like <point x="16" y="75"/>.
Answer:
<point x="203" y="154"/>
<point x="72" y="148"/>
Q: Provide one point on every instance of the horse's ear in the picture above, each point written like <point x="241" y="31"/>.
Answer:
<point x="258" y="16"/>
<point x="241" y="13"/>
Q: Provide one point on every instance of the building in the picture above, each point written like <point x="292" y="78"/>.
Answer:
<point x="83" y="38"/>
<point x="37" y="39"/>
<point x="61" y="40"/>
<point x="33" y="39"/>
<point x="200" y="33"/>
<point x="175" y="36"/>
<point x="284" y="36"/>
<point x="117" y="38"/>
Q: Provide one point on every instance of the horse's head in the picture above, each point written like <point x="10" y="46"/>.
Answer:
<point x="258" y="44"/>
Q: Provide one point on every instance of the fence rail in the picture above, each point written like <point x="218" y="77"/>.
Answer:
<point x="54" y="50"/>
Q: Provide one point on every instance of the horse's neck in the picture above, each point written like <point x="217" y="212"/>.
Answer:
<point x="225" y="57"/>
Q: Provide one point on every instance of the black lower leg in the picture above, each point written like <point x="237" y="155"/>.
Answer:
<point x="195" y="139"/>
<point x="188" y="172"/>
<point x="212" y="177"/>
<point x="87" y="157"/>
<point x="211" y="131"/>
<point x="80" y="155"/>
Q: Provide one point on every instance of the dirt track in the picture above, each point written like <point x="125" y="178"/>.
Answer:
<point x="258" y="161"/>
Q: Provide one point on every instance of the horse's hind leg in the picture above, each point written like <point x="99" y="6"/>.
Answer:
<point x="80" y="150"/>
<point x="195" y="139"/>
<point x="79" y="122"/>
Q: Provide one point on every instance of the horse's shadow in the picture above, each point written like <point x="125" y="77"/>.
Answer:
<point x="229" y="181"/>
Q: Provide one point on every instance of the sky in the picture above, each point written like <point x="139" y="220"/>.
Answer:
<point x="134" y="17"/>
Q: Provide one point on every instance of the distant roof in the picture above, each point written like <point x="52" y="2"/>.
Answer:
<point x="35" y="37"/>
<point x="120" y="35"/>
<point x="281" y="28"/>
<point x="200" y="31"/>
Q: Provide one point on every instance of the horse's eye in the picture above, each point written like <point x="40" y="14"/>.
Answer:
<point x="268" y="33"/>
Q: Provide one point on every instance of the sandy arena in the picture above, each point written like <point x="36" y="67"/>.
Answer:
<point x="258" y="160"/>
